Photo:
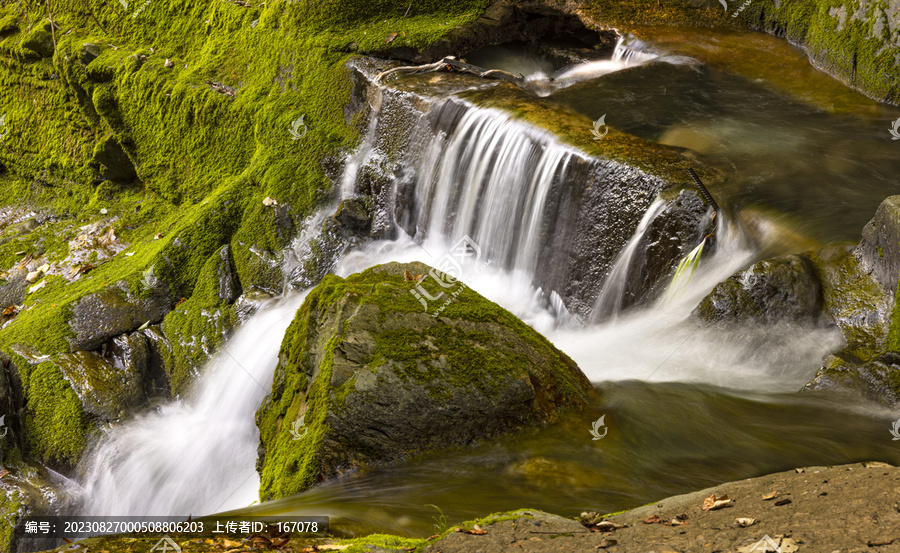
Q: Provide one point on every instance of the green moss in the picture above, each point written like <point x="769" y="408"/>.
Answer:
<point x="381" y="542"/>
<point x="56" y="426"/>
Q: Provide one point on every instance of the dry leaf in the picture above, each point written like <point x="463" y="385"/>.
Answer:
<point x="713" y="503"/>
<point x="873" y="543"/>
<point x="781" y="502"/>
<point x="652" y="519"/>
<point x="268" y="202"/>
<point x="769" y="496"/>
<point x="390" y="38"/>
<point x="675" y="522"/>
<point x="799" y="471"/>
<point x="3" y="473"/>
<point x="877" y="465"/>
<point x="744" y="522"/>
<point x="10" y="311"/>
<point x="606" y="526"/>
<point x="477" y="531"/>
<point x="332" y="547"/>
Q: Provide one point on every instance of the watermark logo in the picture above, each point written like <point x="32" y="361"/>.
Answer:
<point x="895" y="130"/>
<point x="295" y="128"/>
<point x="3" y="426"/>
<point x="447" y="273"/>
<point x="895" y="430"/>
<point x="739" y="10"/>
<point x="4" y="129"/>
<point x="295" y="429"/>
<point x="166" y="544"/>
<point x="148" y="278"/>
<point x="596" y="130"/>
<point x="595" y="429"/>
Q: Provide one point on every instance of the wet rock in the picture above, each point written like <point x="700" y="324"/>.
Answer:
<point x="879" y="249"/>
<point x="366" y="376"/>
<point x="90" y="52"/>
<point x="353" y="215"/>
<point x="779" y="289"/>
<point x="683" y="223"/>
<point x="114" y="381"/>
<point x="229" y="284"/>
<point x="877" y="380"/>
<point x="853" y="300"/>
<point x="29" y="490"/>
<point x="98" y="317"/>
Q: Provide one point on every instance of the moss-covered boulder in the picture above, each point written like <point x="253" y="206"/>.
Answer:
<point x="366" y="376"/>
<point x="779" y="289"/>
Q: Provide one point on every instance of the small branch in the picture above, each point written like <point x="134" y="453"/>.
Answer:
<point x="52" y="33"/>
<point x="703" y="190"/>
<point x="451" y="63"/>
<point x="91" y="12"/>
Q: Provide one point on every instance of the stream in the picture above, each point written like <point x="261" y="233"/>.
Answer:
<point x="686" y="406"/>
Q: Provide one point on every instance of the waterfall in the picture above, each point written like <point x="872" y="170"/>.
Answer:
<point x="195" y="456"/>
<point x="490" y="180"/>
<point x="627" y="53"/>
<point x="609" y="302"/>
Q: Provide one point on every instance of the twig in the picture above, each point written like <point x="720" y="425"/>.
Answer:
<point x="448" y="63"/>
<point x="90" y="11"/>
<point x="703" y="190"/>
<point x="407" y="10"/>
<point x="52" y="33"/>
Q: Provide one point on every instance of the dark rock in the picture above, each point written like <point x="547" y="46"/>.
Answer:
<point x="12" y="292"/>
<point x="353" y="215"/>
<point x="779" y="289"/>
<point x="365" y="377"/>
<point x="879" y="249"/>
<point x="113" y="382"/>
<point x="99" y="317"/>
<point x="877" y="380"/>
<point x="671" y="235"/>
<point x="113" y="163"/>
<point x="229" y="284"/>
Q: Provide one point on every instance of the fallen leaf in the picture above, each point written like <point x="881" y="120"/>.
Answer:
<point x="477" y="531"/>
<point x="675" y="522"/>
<point x="652" y="519"/>
<point x="157" y="236"/>
<point x="781" y="502"/>
<point x="390" y="38"/>
<point x="3" y="473"/>
<point x="873" y="543"/>
<point x="606" y="526"/>
<point x="267" y="201"/>
<point x="876" y="465"/>
<point x="713" y="503"/>
<point x="744" y="522"/>
<point x="10" y="311"/>
<point x="769" y="496"/>
<point x="800" y="470"/>
<point x="332" y="547"/>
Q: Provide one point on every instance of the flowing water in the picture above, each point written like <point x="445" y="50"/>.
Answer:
<point x="686" y="406"/>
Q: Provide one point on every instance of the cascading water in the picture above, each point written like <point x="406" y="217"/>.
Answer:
<point x="197" y="455"/>
<point x="609" y="302"/>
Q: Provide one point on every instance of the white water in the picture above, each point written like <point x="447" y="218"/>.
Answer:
<point x="508" y="168"/>
<point x="198" y="455"/>
<point x="609" y="302"/>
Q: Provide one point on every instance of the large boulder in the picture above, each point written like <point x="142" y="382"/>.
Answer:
<point x="779" y="289"/>
<point x="879" y="249"/>
<point x="366" y="376"/>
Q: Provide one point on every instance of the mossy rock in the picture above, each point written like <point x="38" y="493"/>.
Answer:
<point x="366" y="377"/>
<point x="877" y="380"/>
<point x="782" y="289"/>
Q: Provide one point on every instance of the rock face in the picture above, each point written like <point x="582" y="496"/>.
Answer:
<point x="877" y="380"/>
<point x="879" y="250"/>
<point x="101" y="316"/>
<point x="365" y="376"/>
<point x="779" y="289"/>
